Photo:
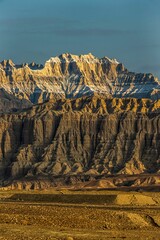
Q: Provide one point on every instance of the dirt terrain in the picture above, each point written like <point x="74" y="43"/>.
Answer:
<point x="68" y="215"/>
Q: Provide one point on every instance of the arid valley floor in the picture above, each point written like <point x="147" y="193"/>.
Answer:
<point x="65" y="214"/>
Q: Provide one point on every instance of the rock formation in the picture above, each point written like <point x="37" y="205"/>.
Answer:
<point x="74" y="76"/>
<point x="90" y="135"/>
<point x="75" y="118"/>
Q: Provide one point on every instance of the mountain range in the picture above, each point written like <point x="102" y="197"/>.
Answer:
<point x="71" y="76"/>
<point x="78" y="119"/>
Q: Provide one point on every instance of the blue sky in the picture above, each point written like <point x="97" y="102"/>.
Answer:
<point x="128" y="30"/>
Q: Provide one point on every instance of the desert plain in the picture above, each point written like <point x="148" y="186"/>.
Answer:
<point x="62" y="214"/>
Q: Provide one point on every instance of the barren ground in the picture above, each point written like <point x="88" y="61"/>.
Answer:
<point x="68" y="215"/>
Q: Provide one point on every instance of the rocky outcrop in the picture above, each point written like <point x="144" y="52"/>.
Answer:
<point x="9" y="103"/>
<point x="77" y="118"/>
<point x="89" y="136"/>
<point x="72" y="76"/>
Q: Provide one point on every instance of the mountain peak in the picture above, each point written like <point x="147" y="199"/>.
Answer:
<point x="7" y="63"/>
<point x="89" y="58"/>
<point x="114" y="61"/>
<point x="74" y="76"/>
<point x="68" y="57"/>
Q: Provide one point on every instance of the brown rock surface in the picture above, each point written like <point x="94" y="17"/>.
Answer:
<point x="93" y="118"/>
<point x="71" y="76"/>
<point x="88" y="136"/>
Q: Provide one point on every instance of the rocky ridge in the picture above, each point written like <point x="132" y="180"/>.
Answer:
<point x="89" y="136"/>
<point x="78" y="119"/>
<point x="71" y="76"/>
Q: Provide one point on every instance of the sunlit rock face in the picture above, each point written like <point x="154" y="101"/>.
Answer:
<point x="89" y="135"/>
<point x="77" y="116"/>
<point x="72" y="76"/>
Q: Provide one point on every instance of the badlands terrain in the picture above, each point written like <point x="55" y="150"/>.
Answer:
<point x="78" y="119"/>
<point x="79" y="150"/>
<point x="71" y="76"/>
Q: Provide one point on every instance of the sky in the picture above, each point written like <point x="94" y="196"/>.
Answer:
<point x="128" y="30"/>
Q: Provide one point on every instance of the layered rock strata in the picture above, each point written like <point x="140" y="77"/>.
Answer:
<point x="72" y="76"/>
<point x="89" y="136"/>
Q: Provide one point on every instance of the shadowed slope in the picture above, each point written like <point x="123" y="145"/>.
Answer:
<point x="90" y="135"/>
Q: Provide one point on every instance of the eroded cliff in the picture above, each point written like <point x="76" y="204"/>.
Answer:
<point x="72" y="76"/>
<point x="75" y="119"/>
<point x="89" y="136"/>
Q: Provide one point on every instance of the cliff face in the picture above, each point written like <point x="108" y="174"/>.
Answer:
<point x="74" y="76"/>
<point x="78" y="116"/>
<point x="9" y="103"/>
<point x="88" y="136"/>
